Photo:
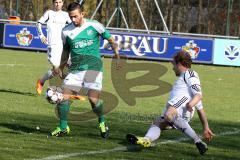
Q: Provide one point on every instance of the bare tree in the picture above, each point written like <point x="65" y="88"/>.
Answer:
<point x="200" y="3"/>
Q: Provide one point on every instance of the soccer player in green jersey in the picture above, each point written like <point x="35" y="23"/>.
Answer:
<point x="81" y="44"/>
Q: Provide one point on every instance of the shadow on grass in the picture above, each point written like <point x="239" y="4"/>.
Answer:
<point x="17" y="92"/>
<point x="227" y="133"/>
<point x="119" y="127"/>
<point x="18" y="128"/>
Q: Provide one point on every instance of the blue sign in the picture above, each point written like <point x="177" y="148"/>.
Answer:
<point x="227" y="52"/>
<point x="22" y="36"/>
<point x="159" y="46"/>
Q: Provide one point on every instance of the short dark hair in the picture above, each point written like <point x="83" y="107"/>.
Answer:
<point x="73" y="6"/>
<point x="55" y="0"/>
<point x="183" y="58"/>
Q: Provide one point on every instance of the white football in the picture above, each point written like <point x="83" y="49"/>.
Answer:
<point x="53" y="96"/>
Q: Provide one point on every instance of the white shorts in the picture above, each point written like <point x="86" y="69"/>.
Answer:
<point x="180" y="105"/>
<point x="84" y="80"/>
<point x="54" y="54"/>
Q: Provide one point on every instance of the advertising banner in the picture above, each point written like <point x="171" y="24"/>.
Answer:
<point x="159" y="46"/>
<point x="227" y="52"/>
<point x="22" y="36"/>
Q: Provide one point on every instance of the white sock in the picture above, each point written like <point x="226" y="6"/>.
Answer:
<point x="183" y="125"/>
<point x="47" y="76"/>
<point x="153" y="133"/>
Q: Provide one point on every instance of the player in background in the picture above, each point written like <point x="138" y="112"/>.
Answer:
<point x="55" y="20"/>
<point x="81" y="42"/>
<point x="184" y="96"/>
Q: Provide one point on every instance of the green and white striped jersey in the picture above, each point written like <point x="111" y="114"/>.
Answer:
<point x="83" y="44"/>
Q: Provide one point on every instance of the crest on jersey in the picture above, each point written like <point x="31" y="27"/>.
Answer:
<point x="24" y="37"/>
<point x="231" y="52"/>
<point x="192" y="49"/>
<point x="89" y="32"/>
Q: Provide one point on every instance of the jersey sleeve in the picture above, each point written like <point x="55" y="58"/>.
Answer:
<point x="102" y="30"/>
<point x="68" y="20"/>
<point x="193" y="81"/>
<point x="199" y="105"/>
<point x="41" y="21"/>
<point x="44" y="18"/>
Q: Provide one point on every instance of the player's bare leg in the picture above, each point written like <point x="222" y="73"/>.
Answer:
<point x="40" y="82"/>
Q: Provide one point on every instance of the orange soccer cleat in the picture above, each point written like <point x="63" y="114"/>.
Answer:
<point x="39" y="87"/>
<point x="77" y="97"/>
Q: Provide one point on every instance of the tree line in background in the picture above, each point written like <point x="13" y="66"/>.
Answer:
<point x="213" y="17"/>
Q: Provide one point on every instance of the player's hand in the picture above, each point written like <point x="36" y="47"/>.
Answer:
<point x="57" y="71"/>
<point x="208" y="134"/>
<point x="44" y="40"/>
<point x="189" y="107"/>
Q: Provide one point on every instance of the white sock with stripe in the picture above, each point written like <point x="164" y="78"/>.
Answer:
<point x="153" y="133"/>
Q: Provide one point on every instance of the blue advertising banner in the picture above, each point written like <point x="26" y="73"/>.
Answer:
<point x="227" y="52"/>
<point x="22" y="36"/>
<point x="159" y="46"/>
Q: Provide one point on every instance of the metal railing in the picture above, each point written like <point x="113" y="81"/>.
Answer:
<point x="143" y="31"/>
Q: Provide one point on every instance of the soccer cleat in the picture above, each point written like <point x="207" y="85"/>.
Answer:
<point x="77" y="97"/>
<point x="59" y="133"/>
<point x="202" y="147"/>
<point x="104" y="130"/>
<point x="39" y="87"/>
<point x="145" y="142"/>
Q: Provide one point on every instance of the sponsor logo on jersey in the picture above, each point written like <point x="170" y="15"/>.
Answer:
<point x="83" y="43"/>
<point x="192" y="49"/>
<point x="24" y="37"/>
<point x="231" y="52"/>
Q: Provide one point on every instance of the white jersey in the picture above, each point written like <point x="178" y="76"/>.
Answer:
<point x="186" y="86"/>
<point x="184" y="89"/>
<point x="55" y="21"/>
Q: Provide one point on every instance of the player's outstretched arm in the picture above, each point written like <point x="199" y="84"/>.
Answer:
<point x="114" y="46"/>
<point x="196" y="98"/>
<point x="40" y="33"/>
<point x="207" y="133"/>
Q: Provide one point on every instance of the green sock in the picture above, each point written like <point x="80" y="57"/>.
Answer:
<point x="63" y="108"/>
<point x="98" y="110"/>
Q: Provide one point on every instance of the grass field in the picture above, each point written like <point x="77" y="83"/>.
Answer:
<point x="21" y="111"/>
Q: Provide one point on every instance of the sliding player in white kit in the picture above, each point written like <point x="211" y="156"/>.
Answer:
<point x="55" y="20"/>
<point x="185" y="95"/>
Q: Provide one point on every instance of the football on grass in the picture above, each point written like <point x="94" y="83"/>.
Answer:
<point x="54" y="96"/>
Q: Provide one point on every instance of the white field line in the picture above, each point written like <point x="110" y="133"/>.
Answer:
<point x="12" y="65"/>
<point x="68" y="155"/>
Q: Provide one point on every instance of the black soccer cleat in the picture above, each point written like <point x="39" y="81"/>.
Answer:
<point x="143" y="141"/>
<point x="131" y="138"/>
<point x="202" y="147"/>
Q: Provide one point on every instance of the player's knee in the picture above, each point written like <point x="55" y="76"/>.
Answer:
<point x="170" y="114"/>
<point x="168" y="117"/>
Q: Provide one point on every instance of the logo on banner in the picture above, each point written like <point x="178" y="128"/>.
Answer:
<point x="24" y="38"/>
<point x="192" y="49"/>
<point x="232" y="52"/>
<point x="139" y="45"/>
